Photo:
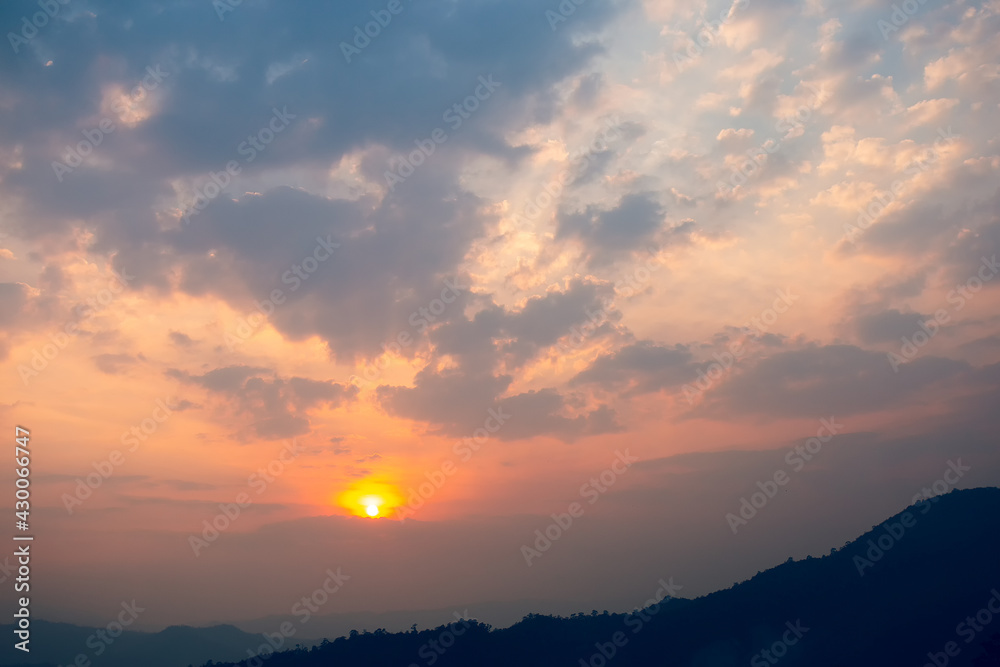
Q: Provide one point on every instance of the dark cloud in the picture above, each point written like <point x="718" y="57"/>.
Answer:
<point x="609" y="234"/>
<point x="457" y="404"/>
<point x="487" y="348"/>
<point x="887" y="325"/>
<point x="228" y="380"/>
<point x="52" y="278"/>
<point x="588" y="87"/>
<point x="181" y="339"/>
<point x="213" y="93"/>
<point x="455" y="401"/>
<point x="536" y="413"/>
<point x="964" y="238"/>
<point x="279" y="407"/>
<point x="307" y="393"/>
<point x="208" y="68"/>
<point x="974" y="256"/>
<point x="13" y="299"/>
<point x="823" y="380"/>
<point x="114" y="364"/>
<point x="237" y="250"/>
<point x="641" y="368"/>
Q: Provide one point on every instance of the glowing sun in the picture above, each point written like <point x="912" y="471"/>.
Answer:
<point x="370" y="498"/>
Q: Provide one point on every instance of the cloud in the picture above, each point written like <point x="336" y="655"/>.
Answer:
<point x="488" y="348"/>
<point x="456" y="404"/>
<point x="13" y="299"/>
<point x="640" y="368"/>
<point x="610" y="234"/>
<point x="822" y="380"/>
<point x="887" y="325"/>
<point x="114" y="364"/>
<point x="181" y="339"/>
<point x="958" y="237"/>
<point x="215" y="93"/>
<point x="279" y="407"/>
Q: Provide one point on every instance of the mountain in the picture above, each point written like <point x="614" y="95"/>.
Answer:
<point x="339" y="624"/>
<point x="54" y="644"/>
<point x="915" y="590"/>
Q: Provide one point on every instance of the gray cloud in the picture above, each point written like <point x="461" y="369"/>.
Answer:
<point x="279" y="407"/>
<point x="887" y="325"/>
<point x="610" y="234"/>
<point x="641" y="368"/>
<point x="181" y="339"/>
<point x="823" y="380"/>
<point x="114" y="364"/>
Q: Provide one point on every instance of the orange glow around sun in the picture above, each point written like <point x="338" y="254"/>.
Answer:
<point x="370" y="498"/>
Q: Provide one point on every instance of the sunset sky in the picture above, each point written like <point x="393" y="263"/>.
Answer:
<point x="468" y="270"/>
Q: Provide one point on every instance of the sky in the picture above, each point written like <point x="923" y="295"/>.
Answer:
<point x="487" y="301"/>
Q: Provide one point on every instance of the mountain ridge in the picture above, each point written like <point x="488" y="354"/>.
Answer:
<point x="817" y="611"/>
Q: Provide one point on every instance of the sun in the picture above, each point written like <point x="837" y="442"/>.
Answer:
<point x="370" y="499"/>
<point x="371" y="504"/>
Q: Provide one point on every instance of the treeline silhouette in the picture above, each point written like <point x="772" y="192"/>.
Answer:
<point x="902" y="594"/>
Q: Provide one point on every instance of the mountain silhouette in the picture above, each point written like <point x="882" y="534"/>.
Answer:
<point x="54" y="644"/>
<point x="915" y="590"/>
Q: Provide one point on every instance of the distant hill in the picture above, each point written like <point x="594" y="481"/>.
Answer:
<point x="938" y="564"/>
<point x="55" y="644"/>
<point x="339" y="624"/>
